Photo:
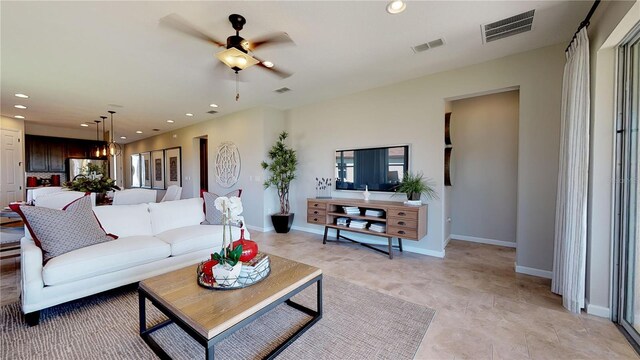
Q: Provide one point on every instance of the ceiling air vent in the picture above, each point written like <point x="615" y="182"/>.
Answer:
<point x="428" y="45"/>
<point x="212" y="112"/>
<point x="282" y="90"/>
<point x="508" y="27"/>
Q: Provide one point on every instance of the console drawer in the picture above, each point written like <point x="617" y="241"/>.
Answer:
<point x="316" y="212"/>
<point x="403" y="213"/>
<point x="316" y="205"/>
<point x="402" y="232"/>
<point x="316" y="219"/>
<point x="403" y="223"/>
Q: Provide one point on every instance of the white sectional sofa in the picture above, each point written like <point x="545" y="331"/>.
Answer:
<point x="152" y="239"/>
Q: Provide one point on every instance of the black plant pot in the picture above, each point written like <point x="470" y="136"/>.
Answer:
<point x="282" y="222"/>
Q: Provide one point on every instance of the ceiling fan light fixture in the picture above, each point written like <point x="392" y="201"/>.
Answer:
<point x="268" y="64"/>
<point x="236" y="59"/>
<point x="396" y="7"/>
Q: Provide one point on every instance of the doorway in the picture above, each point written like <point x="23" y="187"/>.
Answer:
<point x="627" y="297"/>
<point x="204" y="164"/>
<point x="11" y="185"/>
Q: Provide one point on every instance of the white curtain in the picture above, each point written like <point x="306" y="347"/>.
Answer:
<point x="571" y="204"/>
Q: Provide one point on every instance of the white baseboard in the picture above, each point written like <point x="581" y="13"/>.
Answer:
<point x="260" y="229"/>
<point x="534" y="272"/>
<point x="373" y="240"/>
<point x="483" y="240"/>
<point x="446" y="242"/>
<point x="597" y="310"/>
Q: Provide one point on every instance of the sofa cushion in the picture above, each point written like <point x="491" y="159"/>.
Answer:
<point x="104" y="258"/>
<point x="213" y="216"/>
<point x="58" y="232"/>
<point x="196" y="237"/>
<point x="125" y="220"/>
<point x="175" y="214"/>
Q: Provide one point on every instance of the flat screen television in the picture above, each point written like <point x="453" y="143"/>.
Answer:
<point x="379" y="168"/>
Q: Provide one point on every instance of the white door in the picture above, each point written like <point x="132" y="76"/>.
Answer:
<point x="11" y="167"/>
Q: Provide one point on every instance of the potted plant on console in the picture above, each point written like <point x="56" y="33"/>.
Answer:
<point x="415" y="185"/>
<point x="283" y="170"/>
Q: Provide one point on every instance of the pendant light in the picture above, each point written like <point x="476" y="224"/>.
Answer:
<point x="104" y="147"/>
<point x="96" y="150"/>
<point x="114" y="148"/>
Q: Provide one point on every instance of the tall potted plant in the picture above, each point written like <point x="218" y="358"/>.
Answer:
<point x="415" y="185"/>
<point x="282" y="166"/>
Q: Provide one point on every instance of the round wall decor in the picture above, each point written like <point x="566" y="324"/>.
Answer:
<point x="227" y="164"/>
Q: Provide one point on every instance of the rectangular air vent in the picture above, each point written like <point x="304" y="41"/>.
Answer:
<point x="507" y="27"/>
<point x="282" y="90"/>
<point x="428" y="45"/>
<point x="212" y="112"/>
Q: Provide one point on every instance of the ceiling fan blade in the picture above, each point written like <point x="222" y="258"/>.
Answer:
<point x="176" y="22"/>
<point x="271" y="39"/>
<point x="281" y="73"/>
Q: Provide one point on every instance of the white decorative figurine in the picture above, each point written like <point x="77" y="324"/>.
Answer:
<point x="366" y="193"/>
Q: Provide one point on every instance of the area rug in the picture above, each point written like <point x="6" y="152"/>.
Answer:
<point x="357" y="323"/>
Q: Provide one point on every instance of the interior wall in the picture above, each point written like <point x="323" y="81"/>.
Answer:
<point x="250" y="130"/>
<point x="412" y="112"/>
<point x="484" y="130"/>
<point x="611" y="21"/>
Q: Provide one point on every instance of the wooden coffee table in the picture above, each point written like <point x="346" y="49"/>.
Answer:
<point x="209" y="316"/>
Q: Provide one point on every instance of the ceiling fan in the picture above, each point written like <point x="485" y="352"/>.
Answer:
<point x="238" y="52"/>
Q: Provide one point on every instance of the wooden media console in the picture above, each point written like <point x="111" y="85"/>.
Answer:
<point x="401" y="221"/>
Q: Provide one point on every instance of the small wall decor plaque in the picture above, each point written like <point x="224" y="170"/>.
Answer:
<point x="227" y="164"/>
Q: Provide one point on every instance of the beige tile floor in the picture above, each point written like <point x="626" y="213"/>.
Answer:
<point x="483" y="309"/>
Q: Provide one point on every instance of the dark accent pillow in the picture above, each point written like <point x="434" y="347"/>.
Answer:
<point x="58" y="232"/>
<point x="213" y="216"/>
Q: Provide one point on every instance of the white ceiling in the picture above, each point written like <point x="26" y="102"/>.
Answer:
<point x="76" y="59"/>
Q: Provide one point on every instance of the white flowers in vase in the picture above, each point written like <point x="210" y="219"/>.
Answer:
<point x="229" y="266"/>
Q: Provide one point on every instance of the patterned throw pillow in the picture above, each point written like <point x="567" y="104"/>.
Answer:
<point x="213" y="216"/>
<point x="58" y="232"/>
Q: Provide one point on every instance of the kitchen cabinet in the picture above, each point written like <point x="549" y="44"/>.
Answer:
<point x="49" y="154"/>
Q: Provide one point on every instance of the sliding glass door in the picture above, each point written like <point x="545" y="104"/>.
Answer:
<point x="628" y="189"/>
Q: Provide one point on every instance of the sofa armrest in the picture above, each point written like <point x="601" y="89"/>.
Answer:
<point x="31" y="282"/>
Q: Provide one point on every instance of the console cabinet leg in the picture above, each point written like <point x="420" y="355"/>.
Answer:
<point x="324" y="239"/>
<point x="33" y="318"/>
<point x="390" y="248"/>
<point x="400" y="244"/>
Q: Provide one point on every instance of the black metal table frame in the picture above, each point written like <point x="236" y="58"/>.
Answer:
<point x="368" y="245"/>
<point x="210" y="343"/>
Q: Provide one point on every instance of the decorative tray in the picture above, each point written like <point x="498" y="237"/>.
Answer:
<point x="249" y="275"/>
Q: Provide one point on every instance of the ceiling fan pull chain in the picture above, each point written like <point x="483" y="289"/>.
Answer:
<point x="237" y="88"/>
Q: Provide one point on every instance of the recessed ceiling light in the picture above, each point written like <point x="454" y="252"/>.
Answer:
<point x="19" y="117"/>
<point x="22" y="96"/>
<point x="84" y="125"/>
<point x="268" y="64"/>
<point x="19" y="106"/>
<point x="138" y="132"/>
<point x="170" y="121"/>
<point x="189" y="114"/>
<point x="123" y="137"/>
<point x="213" y="105"/>
<point x="396" y="7"/>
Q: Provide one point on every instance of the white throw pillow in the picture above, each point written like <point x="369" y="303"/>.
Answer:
<point x="176" y="214"/>
<point x="125" y="220"/>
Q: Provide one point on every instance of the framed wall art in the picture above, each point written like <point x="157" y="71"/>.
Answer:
<point x="145" y="169"/>
<point x="173" y="166"/>
<point x="135" y="170"/>
<point x="157" y="169"/>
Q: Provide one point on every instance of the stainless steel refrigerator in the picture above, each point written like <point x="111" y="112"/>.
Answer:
<point x="77" y="167"/>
